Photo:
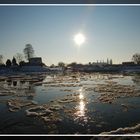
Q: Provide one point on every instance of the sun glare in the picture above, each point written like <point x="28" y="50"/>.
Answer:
<point x="79" y="39"/>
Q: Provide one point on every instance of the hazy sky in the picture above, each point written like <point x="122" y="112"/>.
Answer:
<point x="110" y="31"/>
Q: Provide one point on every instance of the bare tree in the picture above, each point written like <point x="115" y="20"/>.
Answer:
<point x="52" y="66"/>
<point x="28" y="51"/>
<point x="19" y="57"/>
<point x="61" y="64"/>
<point x="136" y="58"/>
<point x="1" y="59"/>
<point x="73" y="64"/>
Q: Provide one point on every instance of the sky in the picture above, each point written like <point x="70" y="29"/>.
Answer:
<point x="111" y="32"/>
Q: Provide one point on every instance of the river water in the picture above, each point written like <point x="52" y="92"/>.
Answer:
<point x="78" y="108"/>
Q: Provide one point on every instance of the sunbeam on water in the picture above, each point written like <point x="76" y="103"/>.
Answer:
<point x="81" y="96"/>
<point x="59" y="105"/>
<point x="81" y="111"/>
<point x="81" y="107"/>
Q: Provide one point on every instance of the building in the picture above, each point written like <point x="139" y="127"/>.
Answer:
<point x="35" y="61"/>
<point x="128" y="63"/>
<point x="35" y="64"/>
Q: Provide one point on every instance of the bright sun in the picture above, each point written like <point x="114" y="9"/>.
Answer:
<point x="79" y="39"/>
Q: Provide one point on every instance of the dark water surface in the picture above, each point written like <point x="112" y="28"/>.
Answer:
<point x="86" y="115"/>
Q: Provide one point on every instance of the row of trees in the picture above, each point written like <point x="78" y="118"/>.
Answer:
<point x="19" y="57"/>
<point x="29" y="53"/>
<point x="11" y="63"/>
<point x="135" y="58"/>
<point x="62" y="64"/>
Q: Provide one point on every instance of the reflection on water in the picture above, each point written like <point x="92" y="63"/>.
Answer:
<point x="21" y="87"/>
<point x="9" y="82"/>
<point x="81" y="96"/>
<point x="136" y="80"/>
<point x="14" y="83"/>
<point x="94" y="116"/>
<point x="81" y="107"/>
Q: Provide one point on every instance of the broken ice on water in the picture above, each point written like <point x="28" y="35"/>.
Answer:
<point x="84" y="103"/>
